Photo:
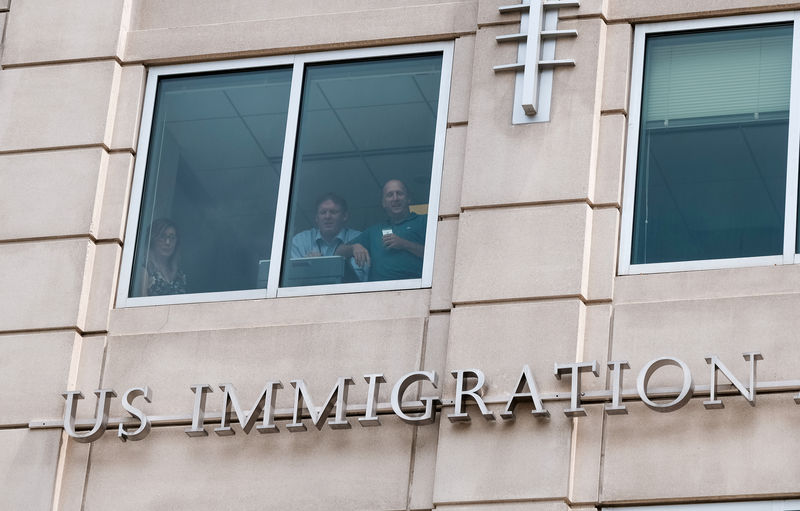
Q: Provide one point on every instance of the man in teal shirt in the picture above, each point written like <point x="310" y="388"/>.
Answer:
<point x="393" y="249"/>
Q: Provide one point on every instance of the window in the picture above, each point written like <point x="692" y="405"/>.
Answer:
<point x="307" y="174"/>
<point x="713" y="143"/>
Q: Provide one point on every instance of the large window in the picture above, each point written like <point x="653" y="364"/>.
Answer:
<point x="308" y="174"/>
<point x="712" y="162"/>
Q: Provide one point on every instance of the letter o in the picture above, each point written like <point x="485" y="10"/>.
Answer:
<point x="644" y="378"/>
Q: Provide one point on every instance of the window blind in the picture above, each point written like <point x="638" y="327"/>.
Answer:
<point x="719" y="73"/>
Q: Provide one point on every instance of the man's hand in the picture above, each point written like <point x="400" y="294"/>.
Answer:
<point x="395" y="242"/>
<point x="360" y="254"/>
<point x="313" y="253"/>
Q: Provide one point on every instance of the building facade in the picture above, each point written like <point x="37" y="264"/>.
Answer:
<point x="596" y="222"/>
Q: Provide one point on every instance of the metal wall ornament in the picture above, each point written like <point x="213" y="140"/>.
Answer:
<point x="532" y="37"/>
<point x="470" y="389"/>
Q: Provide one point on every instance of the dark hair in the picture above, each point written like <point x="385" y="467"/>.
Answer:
<point x="157" y="228"/>
<point x="330" y="196"/>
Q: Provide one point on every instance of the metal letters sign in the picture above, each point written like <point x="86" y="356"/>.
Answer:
<point x="337" y="413"/>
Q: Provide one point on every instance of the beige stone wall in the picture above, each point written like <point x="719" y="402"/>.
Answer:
<point x="524" y="273"/>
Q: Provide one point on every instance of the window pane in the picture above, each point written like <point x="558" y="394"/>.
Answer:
<point x="362" y="124"/>
<point x="711" y="173"/>
<point x="211" y="183"/>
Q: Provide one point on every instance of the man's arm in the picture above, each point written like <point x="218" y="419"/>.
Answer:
<point x="303" y="246"/>
<point x="356" y="251"/>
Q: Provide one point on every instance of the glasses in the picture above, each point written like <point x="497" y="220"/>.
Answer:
<point x="172" y="238"/>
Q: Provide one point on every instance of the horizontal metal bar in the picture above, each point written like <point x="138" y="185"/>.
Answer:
<point x="551" y="4"/>
<point x="558" y="4"/>
<point x="505" y="9"/>
<point x="542" y="63"/>
<point x="550" y="34"/>
<point x="509" y="67"/>
<point x="546" y="34"/>
<point x="511" y="37"/>
<point x="588" y="397"/>
<point x="554" y="63"/>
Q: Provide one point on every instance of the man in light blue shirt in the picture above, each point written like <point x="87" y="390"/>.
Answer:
<point x="329" y="233"/>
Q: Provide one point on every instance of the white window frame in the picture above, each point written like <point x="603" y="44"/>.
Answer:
<point x="789" y="255"/>
<point x="298" y="62"/>
<point x="762" y="505"/>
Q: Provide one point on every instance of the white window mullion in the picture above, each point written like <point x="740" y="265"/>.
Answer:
<point x="137" y="187"/>
<point x="287" y="164"/>
<point x="793" y="156"/>
<point x="437" y="163"/>
<point x="632" y="152"/>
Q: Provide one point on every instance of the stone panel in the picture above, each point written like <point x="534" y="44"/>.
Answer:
<point x="248" y="358"/>
<point x="520" y="252"/>
<point x="42" y="283"/>
<point x="488" y="13"/>
<point x="617" y="72"/>
<point x="280" y="311"/>
<point x="424" y="469"/>
<point x="691" y="330"/>
<point x="707" y="284"/>
<point x="442" y="290"/>
<point x="501" y="460"/>
<point x="103" y="287"/>
<point x="587" y="8"/>
<point x="27" y="468"/>
<point x="603" y="253"/>
<point x="303" y="471"/>
<point x="500" y="339"/>
<point x="154" y="14"/>
<point x="36" y="366"/>
<point x="436" y="345"/>
<point x="455" y="146"/>
<point x="43" y="31"/>
<point x="315" y="31"/>
<point x="585" y="471"/>
<point x="54" y="106"/>
<point x="596" y="342"/>
<point x="610" y="158"/>
<point x="636" y="10"/>
<point x="463" y="59"/>
<point x="507" y="164"/>
<point x="76" y="455"/>
<point x="50" y="193"/>
<point x="695" y="453"/>
<point x="73" y="480"/>
<point x="129" y="107"/>
<point x="114" y="208"/>
<point x="555" y="505"/>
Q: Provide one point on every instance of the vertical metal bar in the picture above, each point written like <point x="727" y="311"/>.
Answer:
<point x="632" y="152"/>
<point x="287" y="164"/>
<point x="793" y="156"/>
<point x="137" y="187"/>
<point x="437" y="164"/>
<point x="530" y="80"/>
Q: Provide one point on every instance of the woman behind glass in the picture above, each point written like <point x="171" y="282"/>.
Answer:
<point x="162" y="275"/>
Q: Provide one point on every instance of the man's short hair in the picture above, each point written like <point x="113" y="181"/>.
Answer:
<point x="389" y="181"/>
<point x="330" y="196"/>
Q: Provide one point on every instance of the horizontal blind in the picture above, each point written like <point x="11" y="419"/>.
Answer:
<point x="717" y="73"/>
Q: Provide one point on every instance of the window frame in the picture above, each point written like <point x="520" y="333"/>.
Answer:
<point x="789" y="254"/>
<point x="755" y="505"/>
<point x="298" y="63"/>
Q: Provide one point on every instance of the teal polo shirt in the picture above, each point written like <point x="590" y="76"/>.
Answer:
<point x="394" y="264"/>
